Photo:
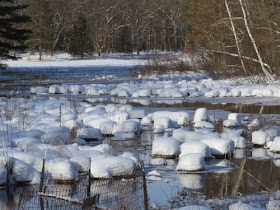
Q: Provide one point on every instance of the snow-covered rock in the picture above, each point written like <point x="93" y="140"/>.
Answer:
<point x="89" y="133"/>
<point x="195" y="147"/>
<point x="204" y="124"/>
<point x="158" y="162"/>
<point x="230" y="123"/>
<point x="201" y="115"/>
<point x="220" y="146"/>
<point x="183" y="135"/>
<point x="165" y="147"/>
<point x="162" y="122"/>
<point x="275" y="146"/>
<point x="260" y="138"/>
<point x="63" y="171"/>
<point x="191" y="162"/>
<point x="112" y="167"/>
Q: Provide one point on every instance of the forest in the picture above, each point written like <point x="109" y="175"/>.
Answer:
<point x="241" y="36"/>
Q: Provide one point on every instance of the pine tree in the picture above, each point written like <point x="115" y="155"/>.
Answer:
<point x="41" y="25"/>
<point x="79" y="38"/>
<point x="12" y="36"/>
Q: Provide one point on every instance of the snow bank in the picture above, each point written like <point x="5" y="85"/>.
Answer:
<point x="165" y="147"/>
<point x="191" y="162"/>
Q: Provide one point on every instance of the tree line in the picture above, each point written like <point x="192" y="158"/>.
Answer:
<point x="239" y="36"/>
<point x="105" y="26"/>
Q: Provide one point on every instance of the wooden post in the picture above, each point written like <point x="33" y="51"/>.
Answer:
<point x="146" y="202"/>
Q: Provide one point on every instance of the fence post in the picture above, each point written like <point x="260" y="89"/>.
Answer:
<point x="89" y="172"/>
<point x="146" y="202"/>
<point x="42" y="180"/>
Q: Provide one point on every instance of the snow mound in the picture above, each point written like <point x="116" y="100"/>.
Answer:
<point x="63" y="171"/>
<point x="89" y="133"/>
<point x="165" y="147"/>
<point x="191" y="162"/>
<point x="275" y="146"/>
<point x="112" y="167"/>
<point x="260" y="138"/>
<point x="220" y="147"/>
<point x="204" y="124"/>
<point x="183" y="135"/>
<point x="201" y="115"/>
<point x="193" y="207"/>
<point x="195" y="147"/>
<point x="158" y="162"/>
<point x="230" y="123"/>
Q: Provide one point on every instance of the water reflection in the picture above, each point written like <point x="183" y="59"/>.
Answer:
<point x="192" y="181"/>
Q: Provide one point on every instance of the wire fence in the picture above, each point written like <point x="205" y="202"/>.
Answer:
<point x="84" y="194"/>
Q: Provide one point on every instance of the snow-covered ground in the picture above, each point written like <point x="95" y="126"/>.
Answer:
<point x="60" y="128"/>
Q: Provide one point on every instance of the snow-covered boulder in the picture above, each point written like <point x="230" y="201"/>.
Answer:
<point x="158" y="162"/>
<point x="239" y="142"/>
<point x="137" y="114"/>
<point x="260" y="138"/>
<point x="184" y="135"/>
<point x="35" y="161"/>
<point x="204" y="124"/>
<point x="201" y="115"/>
<point x="129" y="126"/>
<point x="165" y="147"/>
<point x="145" y="92"/>
<point x="63" y="171"/>
<point x="39" y="90"/>
<point x="195" y="147"/>
<point x="275" y="146"/>
<point x="80" y="162"/>
<point x="230" y="123"/>
<point x="191" y="162"/>
<point x="89" y="133"/>
<point x="162" y="122"/>
<point x="123" y="135"/>
<point x="118" y="116"/>
<point x="112" y="167"/>
<point x="21" y="171"/>
<point x="56" y="135"/>
<point x="234" y="116"/>
<point x="220" y="147"/>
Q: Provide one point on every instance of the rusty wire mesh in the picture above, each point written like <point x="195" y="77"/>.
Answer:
<point x="104" y="194"/>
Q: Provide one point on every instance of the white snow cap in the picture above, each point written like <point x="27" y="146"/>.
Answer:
<point x="195" y="147"/>
<point x="201" y="115"/>
<point x="260" y="137"/>
<point x="165" y="146"/>
<point x="191" y="162"/>
<point x="220" y="146"/>
<point x="112" y="166"/>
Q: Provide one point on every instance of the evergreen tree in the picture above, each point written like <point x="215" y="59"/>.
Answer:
<point x="41" y="25"/>
<point x="12" y="36"/>
<point x="79" y="38"/>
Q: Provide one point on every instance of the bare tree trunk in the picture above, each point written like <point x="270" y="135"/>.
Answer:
<point x="235" y="36"/>
<point x="267" y="74"/>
